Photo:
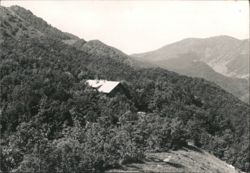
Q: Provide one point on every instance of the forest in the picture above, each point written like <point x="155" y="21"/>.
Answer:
<point x="51" y="121"/>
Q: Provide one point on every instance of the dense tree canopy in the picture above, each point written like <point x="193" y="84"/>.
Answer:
<point x="52" y="122"/>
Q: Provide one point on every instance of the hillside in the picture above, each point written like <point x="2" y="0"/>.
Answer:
<point x="190" y="66"/>
<point x="223" y="60"/>
<point x="52" y="122"/>
<point x="97" y="48"/>
<point x="184" y="160"/>
<point x="19" y="22"/>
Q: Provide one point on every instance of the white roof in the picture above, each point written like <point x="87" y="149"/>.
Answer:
<point x="103" y="86"/>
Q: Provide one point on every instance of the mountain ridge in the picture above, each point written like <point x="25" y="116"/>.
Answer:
<point x="192" y="50"/>
<point x="37" y="27"/>
<point x="214" y="51"/>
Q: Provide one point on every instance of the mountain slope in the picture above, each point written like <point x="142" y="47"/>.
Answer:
<point x="97" y="48"/>
<point x="203" y="57"/>
<point x="39" y="24"/>
<point x="184" y="160"/>
<point x="24" y="23"/>
<point x="190" y="66"/>
<point x="19" y="22"/>
<point x="52" y="122"/>
<point x="221" y="53"/>
<point x="209" y="115"/>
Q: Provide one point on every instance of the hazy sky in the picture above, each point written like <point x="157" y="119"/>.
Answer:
<point x="139" y="26"/>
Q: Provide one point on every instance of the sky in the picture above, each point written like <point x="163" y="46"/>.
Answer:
<point x="141" y="26"/>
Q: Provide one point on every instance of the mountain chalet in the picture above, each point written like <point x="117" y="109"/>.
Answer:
<point x="110" y="88"/>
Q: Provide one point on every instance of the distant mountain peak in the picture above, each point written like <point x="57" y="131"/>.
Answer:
<point x="222" y="59"/>
<point x="223" y="37"/>
<point x="225" y="54"/>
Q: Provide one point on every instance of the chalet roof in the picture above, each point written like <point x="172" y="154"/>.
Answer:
<point x="103" y="86"/>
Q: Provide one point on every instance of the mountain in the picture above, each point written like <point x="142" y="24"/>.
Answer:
<point x="188" y="64"/>
<point x="19" y="22"/>
<point x="98" y="48"/>
<point x="203" y="57"/>
<point x="226" y="55"/>
<point x="51" y="121"/>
